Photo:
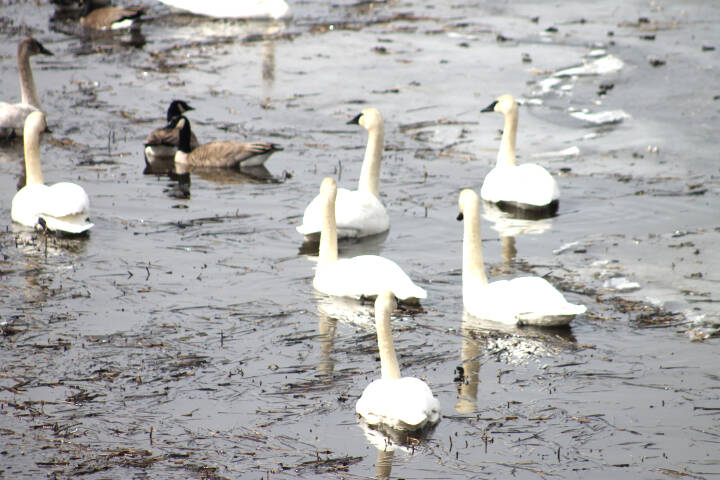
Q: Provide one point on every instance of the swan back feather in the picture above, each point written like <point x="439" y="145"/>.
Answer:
<point x="401" y="403"/>
<point x="528" y="186"/>
<point x="61" y="207"/>
<point x="358" y="213"/>
<point x="523" y="300"/>
<point x="365" y="275"/>
<point x="233" y="9"/>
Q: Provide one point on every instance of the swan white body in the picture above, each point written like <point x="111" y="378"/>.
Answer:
<point x="365" y="275"/>
<point x="520" y="301"/>
<point x="12" y="115"/>
<point x="232" y="8"/>
<point x="61" y="207"/>
<point x="401" y="403"/>
<point x="527" y="186"/>
<point x="358" y="213"/>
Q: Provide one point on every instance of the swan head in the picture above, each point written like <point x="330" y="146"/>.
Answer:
<point x="467" y="201"/>
<point x="503" y="104"/>
<point x="29" y="46"/>
<point x="177" y="107"/>
<point x="369" y="119"/>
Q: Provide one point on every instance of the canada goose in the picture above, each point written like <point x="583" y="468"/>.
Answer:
<point x="402" y="403"/>
<point x="110" y="18"/>
<point x="358" y="213"/>
<point x="163" y="141"/>
<point x="526" y="190"/>
<point x="522" y="300"/>
<point x="232" y="9"/>
<point x="61" y="207"/>
<point x="227" y="154"/>
<point x="12" y="115"/>
<point x="362" y="276"/>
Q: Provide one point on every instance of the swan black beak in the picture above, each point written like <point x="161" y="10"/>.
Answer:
<point x="355" y="120"/>
<point x="460" y="217"/>
<point x="489" y="108"/>
<point x="45" y="51"/>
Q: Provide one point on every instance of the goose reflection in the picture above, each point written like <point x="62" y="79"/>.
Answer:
<point x="181" y="175"/>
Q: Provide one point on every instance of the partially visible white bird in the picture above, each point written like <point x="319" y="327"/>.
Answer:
<point x="521" y="301"/>
<point x="233" y="8"/>
<point x="362" y="276"/>
<point x="61" y="207"/>
<point x="12" y="115"/>
<point x="527" y="190"/>
<point x="401" y="403"/>
<point x="358" y="213"/>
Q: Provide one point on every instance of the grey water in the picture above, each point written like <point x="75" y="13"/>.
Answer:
<point x="182" y="337"/>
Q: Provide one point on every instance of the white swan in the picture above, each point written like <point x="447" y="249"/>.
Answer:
<point x="62" y="207"/>
<point x="12" y="115"/>
<point x="401" y="403"/>
<point x="359" y="213"/>
<point x="521" y="301"/>
<point x="233" y="8"/>
<point x="365" y="275"/>
<point x="527" y="190"/>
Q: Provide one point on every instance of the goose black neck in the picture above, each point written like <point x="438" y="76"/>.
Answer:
<point x="184" y="137"/>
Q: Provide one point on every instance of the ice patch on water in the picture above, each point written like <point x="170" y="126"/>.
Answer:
<point x="602" y="118"/>
<point x="599" y="66"/>
<point x="565" y="248"/>
<point x="621" y="284"/>
<point x="568" y="152"/>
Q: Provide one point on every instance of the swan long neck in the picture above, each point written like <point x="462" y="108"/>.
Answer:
<point x="506" y="154"/>
<point x="473" y="266"/>
<point x="31" y="141"/>
<point x="27" y="81"/>
<point x="370" y="171"/>
<point x="328" y="252"/>
<point x="389" y="367"/>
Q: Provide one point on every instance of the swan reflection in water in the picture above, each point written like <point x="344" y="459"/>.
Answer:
<point x="508" y="228"/>
<point x="483" y="340"/>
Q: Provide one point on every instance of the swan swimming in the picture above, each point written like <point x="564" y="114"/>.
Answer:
<point x="362" y="276"/>
<point x="227" y="154"/>
<point x="12" y="115"/>
<point x="520" y="301"/>
<point x="401" y="403"/>
<point x="527" y="190"/>
<point x="233" y="8"/>
<point x="358" y="213"/>
<point x="163" y="141"/>
<point x="62" y="207"/>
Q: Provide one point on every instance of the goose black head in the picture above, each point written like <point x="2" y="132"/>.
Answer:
<point x="177" y="107"/>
